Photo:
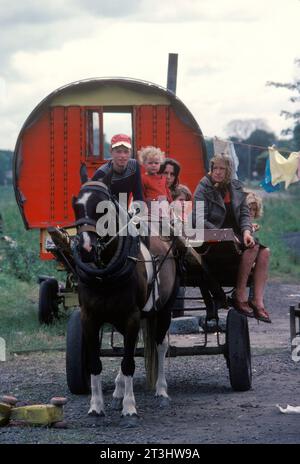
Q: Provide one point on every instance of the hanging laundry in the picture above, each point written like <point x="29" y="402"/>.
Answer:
<point x="266" y="183"/>
<point x="298" y="172"/>
<point x="283" y="169"/>
<point x="227" y="147"/>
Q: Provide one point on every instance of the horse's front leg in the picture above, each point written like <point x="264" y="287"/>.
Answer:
<point x="97" y="401"/>
<point x="91" y="335"/>
<point x="161" y="387"/>
<point x="119" y="390"/>
<point x="129" y="412"/>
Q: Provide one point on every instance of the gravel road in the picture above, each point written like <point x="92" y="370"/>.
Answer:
<point x="204" y="409"/>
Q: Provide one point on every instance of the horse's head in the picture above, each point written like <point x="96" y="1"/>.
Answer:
<point x="87" y="212"/>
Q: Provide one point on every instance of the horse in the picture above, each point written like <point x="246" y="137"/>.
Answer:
<point x="121" y="283"/>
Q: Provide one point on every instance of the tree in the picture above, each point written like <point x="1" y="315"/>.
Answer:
<point x="261" y="138"/>
<point x="296" y="137"/>
<point x="294" y="87"/>
<point x="241" y="129"/>
<point x="5" y="166"/>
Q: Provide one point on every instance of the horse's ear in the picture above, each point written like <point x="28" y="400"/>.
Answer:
<point x="83" y="174"/>
<point x="74" y="199"/>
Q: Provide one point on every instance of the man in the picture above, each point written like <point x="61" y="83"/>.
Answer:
<point x="122" y="175"/>
<point x="123" y="171"/>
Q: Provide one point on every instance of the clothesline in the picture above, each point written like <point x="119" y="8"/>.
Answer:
<point x="245" y="144"/>
<point x="278" y="169"/>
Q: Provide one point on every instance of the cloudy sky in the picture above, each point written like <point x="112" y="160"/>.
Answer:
<point x="227" y="49"/>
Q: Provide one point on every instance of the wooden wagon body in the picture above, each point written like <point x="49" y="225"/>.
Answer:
<point x="68" y="128"/>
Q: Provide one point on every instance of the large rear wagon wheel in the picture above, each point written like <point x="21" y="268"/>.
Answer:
<point x="78" y="379"/>
<point x="48" y="301"/>
<point x="238" y="352"/>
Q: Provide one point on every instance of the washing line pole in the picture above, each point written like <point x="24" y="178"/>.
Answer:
<point x="249" y="162"/>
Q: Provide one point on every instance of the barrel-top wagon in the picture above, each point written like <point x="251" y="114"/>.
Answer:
<point x="68" y="129"/>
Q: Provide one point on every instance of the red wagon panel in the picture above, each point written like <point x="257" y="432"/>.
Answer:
<point x="59" y="135"/>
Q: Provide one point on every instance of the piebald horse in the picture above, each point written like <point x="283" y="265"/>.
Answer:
<point x="120" y="283"/>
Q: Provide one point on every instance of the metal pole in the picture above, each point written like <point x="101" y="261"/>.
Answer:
<point x="172" y="72"/>
<point x="249" y="162"/>
<point x="292" y="324"/>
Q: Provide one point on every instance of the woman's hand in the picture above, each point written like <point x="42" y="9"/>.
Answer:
<point x="249" y="241"/>
<point x="255" y="227"/>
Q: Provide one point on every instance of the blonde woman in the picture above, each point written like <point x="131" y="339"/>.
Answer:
<point x="225" y="206"/>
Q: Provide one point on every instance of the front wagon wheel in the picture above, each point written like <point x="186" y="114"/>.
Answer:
<point x="238" y="352"/>
<point x="78" y="379"/>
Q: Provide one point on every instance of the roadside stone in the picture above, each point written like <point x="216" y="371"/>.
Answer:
<point x="184" y="325"/>
<point x="211" y="326"/>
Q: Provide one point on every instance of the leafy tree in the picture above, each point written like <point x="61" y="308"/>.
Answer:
<point x="296" y="137"/>
<point x="259" y="141"/>
<point x="295" y="98"/>
<point x="5" y="165"/>
<point x="241" y="129"/>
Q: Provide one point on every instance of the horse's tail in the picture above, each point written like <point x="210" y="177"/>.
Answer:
<point x="150" y="351"/>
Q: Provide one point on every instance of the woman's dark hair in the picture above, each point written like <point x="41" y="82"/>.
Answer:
<point x="176" y="167"/>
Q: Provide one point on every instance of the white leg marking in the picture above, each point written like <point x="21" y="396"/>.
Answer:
<point x="97" y="402"/>
<point x="149" y="269"/>
<point x="119" y="386"/>
<point x="129" y="401"/>
<point x="161" y="383"/>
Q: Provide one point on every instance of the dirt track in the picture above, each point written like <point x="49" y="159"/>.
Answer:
<point x="204" y="409"/>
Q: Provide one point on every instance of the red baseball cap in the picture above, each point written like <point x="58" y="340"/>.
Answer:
<point x="120" y="139"/>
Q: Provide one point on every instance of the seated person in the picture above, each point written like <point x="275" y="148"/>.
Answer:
<point x="122" y="172"/>
<point x="255" y="208"/>
<point x="181" y="195"/>
<point x="170" y="168"/>
<point x="154" y="184"/>
<point x="225" y="206"/>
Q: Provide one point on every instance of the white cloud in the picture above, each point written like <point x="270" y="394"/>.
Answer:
<point x="227" y="52"/>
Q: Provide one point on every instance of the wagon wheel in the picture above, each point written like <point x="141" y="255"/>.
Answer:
<point x="76" y="363"/>
<point x="48" y="301"/>
<point x="238" y="352"/>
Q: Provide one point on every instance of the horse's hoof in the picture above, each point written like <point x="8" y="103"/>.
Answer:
<point x="129" y="421"/>
<point x="163" y="401"/>
<point x="93" y="413"/>
<point x="117" y="404"/>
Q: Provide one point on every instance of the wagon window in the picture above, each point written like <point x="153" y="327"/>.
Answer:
<point x="94" y="133"/>
<point x="119" y="122"/>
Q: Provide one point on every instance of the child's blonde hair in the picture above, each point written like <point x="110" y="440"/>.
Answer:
<point x="254" y="198"/>
<point x="182" y="189"/>
<point x="147" y="153"/>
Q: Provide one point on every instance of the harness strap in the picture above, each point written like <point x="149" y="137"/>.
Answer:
<point x="85" y="220"/>
<point x="95" y="183"/>
<point x="86" y="228"/>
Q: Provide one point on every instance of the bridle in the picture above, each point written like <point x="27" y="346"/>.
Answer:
<point x="125" y="245"/>
<point x="87" y="224"/>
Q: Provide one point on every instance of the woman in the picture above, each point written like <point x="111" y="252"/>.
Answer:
<point x="225" y="206"/>
<point x="171" y="169"/>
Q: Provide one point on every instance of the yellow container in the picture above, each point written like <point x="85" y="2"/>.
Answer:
<point x="38" y="414"/>
<point x="5" y="410"/>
